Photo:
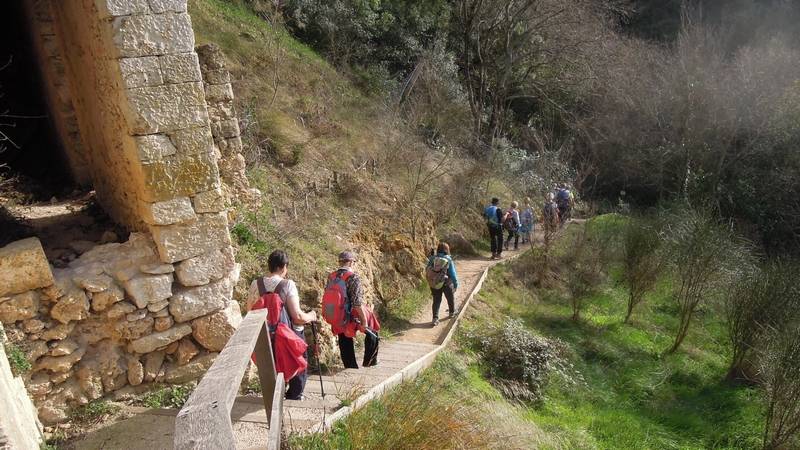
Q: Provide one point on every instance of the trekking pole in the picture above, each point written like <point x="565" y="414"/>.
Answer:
<point x="316" y="356"/>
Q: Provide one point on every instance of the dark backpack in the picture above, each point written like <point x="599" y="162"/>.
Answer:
<point x="509" y="222"/>
<point x="436" y="272"/>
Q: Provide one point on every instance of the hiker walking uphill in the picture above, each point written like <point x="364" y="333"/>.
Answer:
<point x="494" y="219"/>
<point x="286" y="321"/>
<point x="344" y="309"/>
<point x="528" y="222"/>
<point x="442" y="279"/>
<point x="564" y="200"/>
<point x="550" y="213"/>
<point x="511" y="223"/>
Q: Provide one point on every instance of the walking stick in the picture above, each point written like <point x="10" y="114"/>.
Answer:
<point x="316" y="356"/>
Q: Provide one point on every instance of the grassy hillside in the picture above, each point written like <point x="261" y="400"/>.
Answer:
<point x="613" y="388"/>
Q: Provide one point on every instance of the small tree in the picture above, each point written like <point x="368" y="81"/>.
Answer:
<point x="701" y="254"/>
<point x="584" y="273"/>
<point x="642" y="261"/>
<point x="780" y="370"/>
<point x="757" y="301"/>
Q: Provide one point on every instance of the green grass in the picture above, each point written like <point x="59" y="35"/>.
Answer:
<point x="397" y="313"/>
<point x="633" y="396"/>
<point x="93" y="411"/>
<point x="167" y="396"/>
<point x="17" y="359"/>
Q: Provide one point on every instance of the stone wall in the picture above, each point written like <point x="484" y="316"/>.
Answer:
<point x="158" y="307"/>
<point x="19" y="426"/>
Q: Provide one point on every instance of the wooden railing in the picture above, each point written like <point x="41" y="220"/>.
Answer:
<point x="204" y="422"/>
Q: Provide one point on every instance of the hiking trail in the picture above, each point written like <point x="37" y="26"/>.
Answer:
<point x="401" y="356"/>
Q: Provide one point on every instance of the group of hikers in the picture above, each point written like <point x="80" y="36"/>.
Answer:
<point x="343" y="305"/>
<point x="556" y="210"/>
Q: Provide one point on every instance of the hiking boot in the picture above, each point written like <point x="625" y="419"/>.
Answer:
<point x="453" y="313"/>
<point x="435" y="322"/>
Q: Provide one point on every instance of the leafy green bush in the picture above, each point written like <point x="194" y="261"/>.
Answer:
<point x="517" y="361"/>
<point x="642" y="260"/>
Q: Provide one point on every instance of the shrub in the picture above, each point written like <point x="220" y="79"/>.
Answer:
<point x="583" y="270"/>
<point x="780" y="369"/>
<point x="642" y="261"/>
<point x="757" y="301"/>
<point x="518" y="361"/>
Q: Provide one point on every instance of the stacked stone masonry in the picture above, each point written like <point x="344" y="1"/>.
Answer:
<point x="154" y="131"/>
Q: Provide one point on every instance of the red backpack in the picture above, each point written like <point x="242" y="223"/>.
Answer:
<point x="288" y="348"/>
<point x="336" y="306"/>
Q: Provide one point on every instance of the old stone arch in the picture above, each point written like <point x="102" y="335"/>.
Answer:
<point x="149" y="125"/>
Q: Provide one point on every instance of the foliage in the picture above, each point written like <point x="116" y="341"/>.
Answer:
<point x="642" y="260"/>
<point x="762" y="299"/>
<point x="517" y="361"/>
<point x="17" y="359"/>
<point x="94" y="412"/>
<point x="172" y="396"/>
<point x="780" y="368"/>
<point x="581" y="267"/>
<point x="704" y="257"/>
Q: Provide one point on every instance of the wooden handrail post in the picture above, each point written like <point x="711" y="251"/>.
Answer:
<point x="266" y="369"/>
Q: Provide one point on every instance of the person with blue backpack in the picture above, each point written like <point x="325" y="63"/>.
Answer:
<point x="440" y="272"/>
<point x="494" y="220"/>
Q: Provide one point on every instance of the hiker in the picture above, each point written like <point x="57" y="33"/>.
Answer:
<point x="511" y="224"/>
<point x="442" y="279"/>
<point x="494" y="215"/>
<point x="564" y="201"/>
<point x="280" y="296"/>
<point x="528" y="222"/>
<point x="343" y="294"/>
<point x="550" y="213"/>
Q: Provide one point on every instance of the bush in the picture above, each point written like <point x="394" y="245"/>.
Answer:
<point x="583" y="265"/>
<point x="518" y="361"/>
<point x="642" y="261"/>
<point x="780" y="369"/>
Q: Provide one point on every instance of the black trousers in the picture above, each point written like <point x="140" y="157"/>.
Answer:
<point x="348" y="352"/>
<point x="496" y="239"/>
<point x="447" y="290"/>
<point x="298" y="383"/>
<point x="513" y="234"/>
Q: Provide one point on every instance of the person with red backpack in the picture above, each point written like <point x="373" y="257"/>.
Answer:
<point x="440" y="272"/>
<point x="343" y="308"/>
<point x="286" y="321"/>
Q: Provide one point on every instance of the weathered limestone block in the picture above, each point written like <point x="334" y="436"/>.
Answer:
<point x="74" y="305"/>
<point x="194" y="140"/>
<point x="227" y="128"/>
<point x="149" y="289"/>
<point x="221" y="111"/>
<point x="52" y="409"/>
<point x="35" y="350"/>
<point x="211" y="58"/>
<point x="94" y="283"/>
<point x="180" y="68"/>
<point x="140" y="72"/>
<point x="19" y="307"/>
<point x="154" y="147"/>
<point x="150" y="343"/>
<point x="32" y="326"/>
<point x="163" y="323"/>
<point x="158" y="109"/>
<point x="161" y="6"/>
<point x="207" y="267"/>
<point x="216" y="76"/>
<point x="186" y="351"/>
<point x="120" y="310"/>
<point x="60" y="377"/>
<point x="39" y="385"/>
<point x="209" y="201"/>
<point x="152" y="365"/>
<point x="183" y="175"/>
<point x="156" y="34"/>
<point x="168" y="212"/>
<point x="214" y="330"/>
<point x="196" y="368"/>
<point x="134" y="330"/>
<point x="171" y="348"/>
<point x="139" y="314"/>
<point x="110" y="8"/>
<point x="219" y="92"/>
<point x="155" y="307"/>
<point x="161" y="313"/>
<point x="102" y="300"/>
<point x="63" y="348"/>
<point x="59" y="363"/>
<point x="135" y="371"/>
<point x="156" y="269"/>
<point x="190" y="303"/>
<point x="184" y="241"/>
<point x="58" y="331"/>
<point x="24" y="267"/>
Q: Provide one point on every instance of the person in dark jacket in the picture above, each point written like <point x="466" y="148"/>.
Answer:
<point x="494" y="220"/>
<point x="442" y="257"/>
<point x="355" y="295"/>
